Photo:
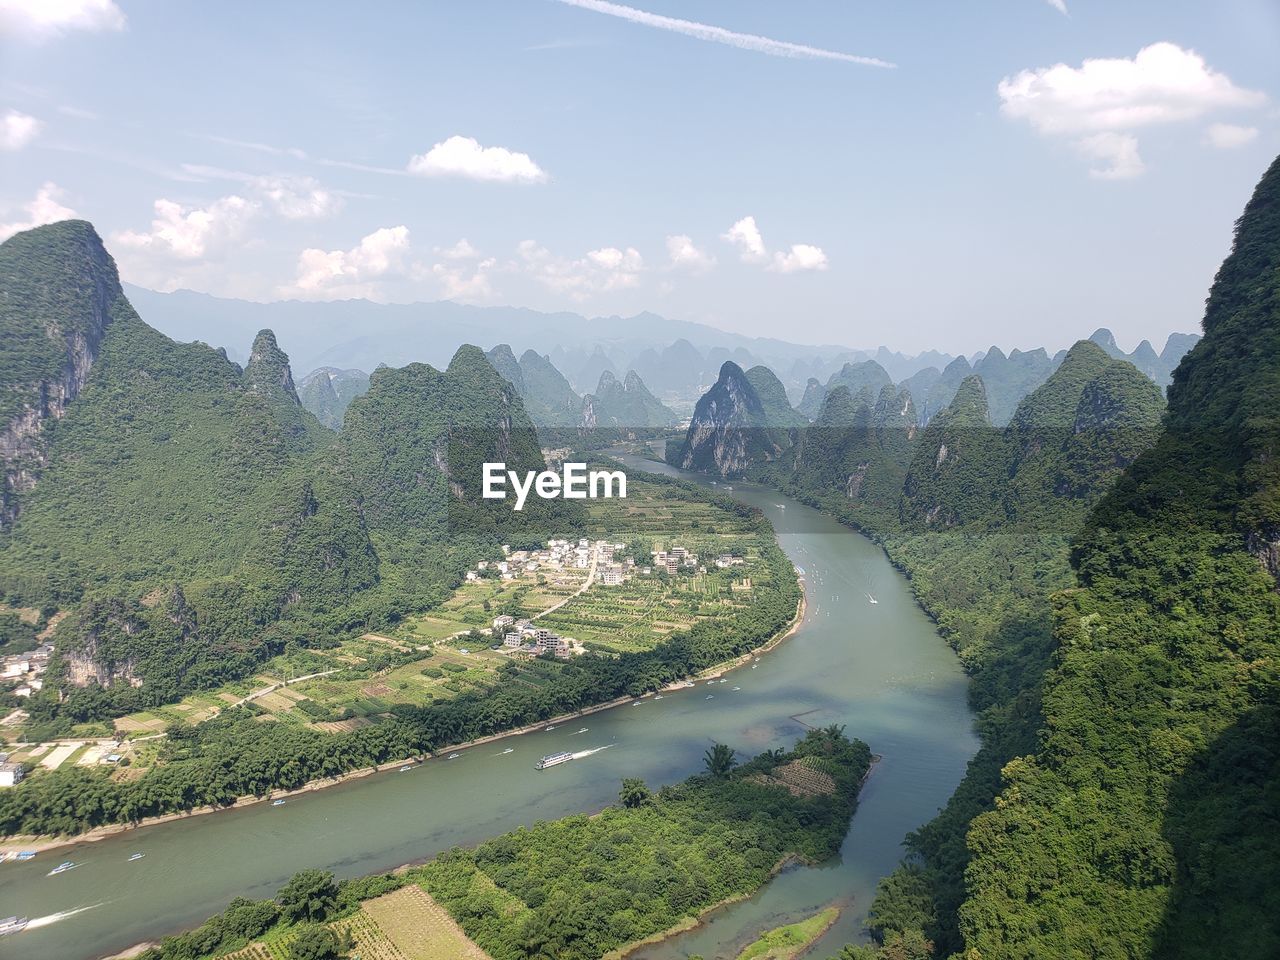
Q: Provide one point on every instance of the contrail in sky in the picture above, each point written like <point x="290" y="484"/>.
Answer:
<point x="703" y="31"/>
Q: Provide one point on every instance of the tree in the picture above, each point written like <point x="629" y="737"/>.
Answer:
<point x="719" y="760"/>
<point x="634" y="793"/>
<point x="314" y="943"/>
<point x="310" y="895"/>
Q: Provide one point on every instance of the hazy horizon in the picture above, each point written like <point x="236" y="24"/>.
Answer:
<point x="852" y="174"/>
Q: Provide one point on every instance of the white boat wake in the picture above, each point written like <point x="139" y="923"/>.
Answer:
<point x="586" y="753"/>
<point x="55" y="917"/>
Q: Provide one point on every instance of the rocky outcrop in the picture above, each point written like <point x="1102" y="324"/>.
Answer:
<point x="267" y="372"/>
<point x="56" y="335"/>
<point x="730" y="429"/>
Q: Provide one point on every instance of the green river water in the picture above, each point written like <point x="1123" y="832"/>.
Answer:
<point x="879" y="668"/>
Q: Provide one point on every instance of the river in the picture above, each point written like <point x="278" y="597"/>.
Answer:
<point x="865" y="656"/>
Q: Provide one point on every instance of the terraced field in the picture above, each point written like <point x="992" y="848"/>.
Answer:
<point x="419" y="928"/>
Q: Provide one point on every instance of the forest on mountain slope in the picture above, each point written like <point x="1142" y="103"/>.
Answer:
<point x="1147" y="821"/>
<point x="192" y="518"/>
<point x="1124" y="800"/>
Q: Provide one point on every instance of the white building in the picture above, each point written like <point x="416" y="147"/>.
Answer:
<point x="10" y="774"/>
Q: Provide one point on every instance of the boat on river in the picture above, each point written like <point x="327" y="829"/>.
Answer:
<point x="454" y="756"/>
<point x="553" y="760"/>
<point x="277" y="803"/>
<point x="136" y="856"/>
<point x="12" y="925"/>
<point x="63" y="867"/>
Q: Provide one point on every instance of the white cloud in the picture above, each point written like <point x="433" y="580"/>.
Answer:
<point x="465" y="282"/>
<point x="801" y="257"/>
<point x="703" y="31"/>
<point x="462" y="250"/>
<point x="1228" y="136"/>
<point x="1162" y="84"/>
<point x="45" y="207"/>
<point x="599" y="271"/>
<point x="745" y="235"/>
<point x="1115" y="155"/>
<point x="298" y="197"/>
<point x="333" y="274"/>
<point x="190" y="233"/>
<point x="1059" y="5"/>
<point x="685" y="255"/>
<point x="17" y="130"/>
<point x="44" y="19"/>
<point x="464" y="157"/>
<point x="293" y="196"/>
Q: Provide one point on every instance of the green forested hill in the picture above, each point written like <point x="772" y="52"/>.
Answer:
<point x="328" y="392"/>
<point x="192" y="517"/>
<point x="1147" y="823"/>
<point x="549" y="399"/>
<point x="732" y="429"/>
<point x="778" y="411"/>
<point x="625" y="405"/>
<point x="57" y="290"/>
<point x="414" y="446"/>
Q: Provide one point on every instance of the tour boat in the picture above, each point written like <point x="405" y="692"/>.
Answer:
<point x="509" y="750"/>
<point x="658" y="697"/>
<point x="136" y="856"/>
<point x="63" y="867"/>
<point x="583" y="730"/>
<point x="277" y="803"/>
<point x="454" y="756"/>
<point x="552" y="760"/>
<point x="27" y="855"/>
<point x="12" y="925"/>
<point x="406" y="768"/>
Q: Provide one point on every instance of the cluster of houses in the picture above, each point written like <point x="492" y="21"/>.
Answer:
<point x="526" y="637"/>
<point x="556" y="555"/>
<point x="559" y="555"/>
<point x="22" y="673"/>
<point x="674" y="560"/>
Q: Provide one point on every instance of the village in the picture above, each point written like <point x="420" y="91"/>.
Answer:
<point x="606" y="564"/>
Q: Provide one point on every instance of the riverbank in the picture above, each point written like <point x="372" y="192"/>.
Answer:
<point x="45" y="843"/>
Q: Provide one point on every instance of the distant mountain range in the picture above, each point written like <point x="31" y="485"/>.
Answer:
<point x="862" y="436"/>
<point x="677" y="360"/>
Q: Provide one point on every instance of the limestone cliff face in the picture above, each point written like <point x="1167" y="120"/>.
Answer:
<point x="267" y="372"/>
<point x="730" y="428"/>
<point x="54" y="322"/>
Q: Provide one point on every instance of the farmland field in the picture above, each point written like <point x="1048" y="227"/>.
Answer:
<point x="448" y="651"/>
<point x="419" y="927"/>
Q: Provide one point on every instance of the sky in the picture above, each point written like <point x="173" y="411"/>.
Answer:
<point x="863" y="172"/>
